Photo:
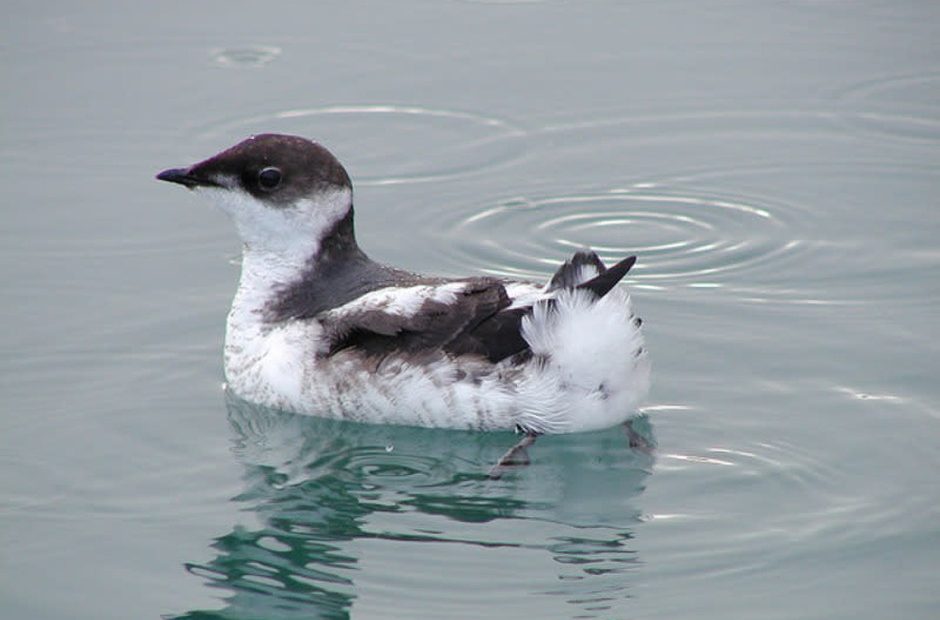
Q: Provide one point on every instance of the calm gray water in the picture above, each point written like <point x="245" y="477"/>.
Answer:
<point x="773" y="164"/>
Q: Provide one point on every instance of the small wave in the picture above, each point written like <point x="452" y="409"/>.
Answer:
<point x="388" y="144"/>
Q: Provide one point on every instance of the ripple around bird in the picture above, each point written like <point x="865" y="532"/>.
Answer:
<point x="390" y="144"/>
<point x="833" y="500"/>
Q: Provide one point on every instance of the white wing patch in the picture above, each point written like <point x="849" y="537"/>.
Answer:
<point x="524" y="293"/>
<point x="405" y="302"/>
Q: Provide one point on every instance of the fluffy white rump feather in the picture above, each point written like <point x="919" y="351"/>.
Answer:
<point x="594" y="370"/>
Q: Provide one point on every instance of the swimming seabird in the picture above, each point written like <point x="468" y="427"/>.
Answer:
<point x="317" y="327"/>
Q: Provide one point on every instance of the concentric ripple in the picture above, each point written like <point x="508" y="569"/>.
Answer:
<point x="692" y="238"/>
<point x="806" y="245"/>
<point x="381" y="467"/>
<point x="389" y="144"/>
<point x="903" y="106"/>
<point x="828" y="499"/>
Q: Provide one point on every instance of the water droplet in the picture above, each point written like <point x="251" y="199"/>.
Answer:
<point x="249" y="56"/>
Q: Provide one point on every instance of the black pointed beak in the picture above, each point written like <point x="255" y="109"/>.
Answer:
<point x="185" y="177"/>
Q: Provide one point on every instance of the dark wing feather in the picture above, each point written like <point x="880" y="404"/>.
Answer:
<point x="495" y="338"/>
<point x="436" y="325"/>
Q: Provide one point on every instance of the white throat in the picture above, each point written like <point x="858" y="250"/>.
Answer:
<point x="279" y="242"/>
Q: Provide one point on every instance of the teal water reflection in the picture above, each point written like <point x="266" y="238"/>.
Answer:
<point x="324" y="492"/>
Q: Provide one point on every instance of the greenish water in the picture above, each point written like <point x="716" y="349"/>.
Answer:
<point x="773" y="164"/>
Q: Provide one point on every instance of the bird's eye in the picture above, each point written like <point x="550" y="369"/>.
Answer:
<point x="269" y="178"/>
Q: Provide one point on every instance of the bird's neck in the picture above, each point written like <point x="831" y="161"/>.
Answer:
<point x="264" y="275"/>
<point x="281" y="285"/>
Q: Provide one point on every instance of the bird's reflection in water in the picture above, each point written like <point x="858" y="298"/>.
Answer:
<point x="323" y="490"/>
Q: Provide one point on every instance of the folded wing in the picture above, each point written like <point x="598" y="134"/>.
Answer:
<point x="462" y="317"/>
<point x="417" y="318"/>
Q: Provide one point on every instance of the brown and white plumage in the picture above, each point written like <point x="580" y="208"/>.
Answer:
<point x="317" y="327"/>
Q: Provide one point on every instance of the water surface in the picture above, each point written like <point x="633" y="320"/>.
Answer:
<point x="773" y="164"/>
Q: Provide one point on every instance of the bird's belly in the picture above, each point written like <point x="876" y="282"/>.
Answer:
<point x="436" y="391"/>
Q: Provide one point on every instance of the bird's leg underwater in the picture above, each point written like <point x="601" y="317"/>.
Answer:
<point x="636" y="439"/>
<point x="516" y="455"/>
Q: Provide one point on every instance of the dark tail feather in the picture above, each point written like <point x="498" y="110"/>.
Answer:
<point x="569" y="273"/>
<point x="602" y="284"/>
